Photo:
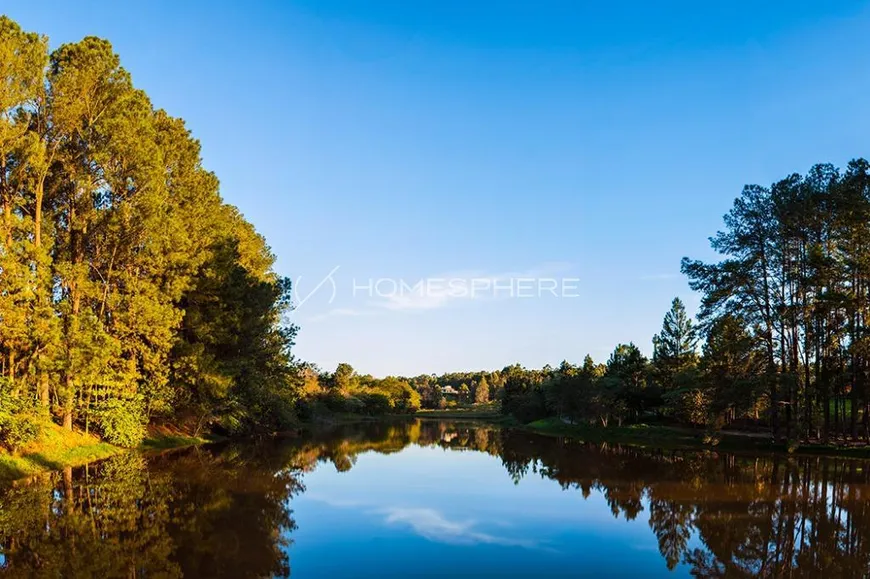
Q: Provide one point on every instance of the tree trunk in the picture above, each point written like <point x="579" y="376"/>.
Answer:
<point x="68" y="403"/>
<point x="43" y="388"/>
<point x="42" y="375"/>
<point x="72" y="319"/>
<point x="11" y="376"/>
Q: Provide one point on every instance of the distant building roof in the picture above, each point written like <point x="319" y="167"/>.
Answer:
<point x="449" y="390"/>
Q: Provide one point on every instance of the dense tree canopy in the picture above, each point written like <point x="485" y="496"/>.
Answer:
<point x="796" y="274"/>
<point x="129" y="290"/>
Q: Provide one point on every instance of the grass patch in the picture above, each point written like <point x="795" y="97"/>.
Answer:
<point x="165" y="442"/>
<point x="55" y="448"/>
<point x="168" y="436"/>
<point x="478" y="411"/>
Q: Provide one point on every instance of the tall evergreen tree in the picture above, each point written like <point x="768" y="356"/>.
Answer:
<point x="675" y="347"/>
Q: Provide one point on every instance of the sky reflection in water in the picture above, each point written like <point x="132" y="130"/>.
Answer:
<point x="434" y="499"/>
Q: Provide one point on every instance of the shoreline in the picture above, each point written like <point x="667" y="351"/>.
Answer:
<point x="62" y="450"/>
<point x="654" y="437"/>
<point x="79" y="449"/>
<point x="676" y="438"/>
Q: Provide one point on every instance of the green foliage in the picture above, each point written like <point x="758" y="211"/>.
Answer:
<point x="482" y="387"/>
<point x="689" y="405"/>
<point x="344" y="379"/>
<point x="345" y="391"/>
<point x="481" y="392"/>
<point x="128" y="288"/>
<point x="376" y="403"/>
<point x="121" y="422"/>
<point x="733" y="369"/>
<point x="20" y="419"/>
<point x="674" y="349"/>
<point x="795" y="274"/>
<point x="524" y="396"/>
<point x="784" y="316"/>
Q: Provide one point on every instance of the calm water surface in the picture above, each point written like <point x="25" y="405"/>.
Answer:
<point x="432" y="499"/>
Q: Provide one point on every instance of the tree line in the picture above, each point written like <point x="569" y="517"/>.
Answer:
<point x="781" y="341"/>
<point x="129" y="291"/>
<point x="346" y="391"/>
<point x="783" y="327"/>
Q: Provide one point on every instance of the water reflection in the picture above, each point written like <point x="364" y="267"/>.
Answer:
<point x="771" y="516"/>
<point x="434" y="526"/>
<point x="225" y="511"/>
<point x="201" y="513"/>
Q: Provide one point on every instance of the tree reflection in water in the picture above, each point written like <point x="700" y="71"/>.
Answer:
<point x="225" y="511"/>
<point x="199" y="513"/>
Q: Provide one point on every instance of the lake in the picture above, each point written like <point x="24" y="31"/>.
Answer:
<point x="432" y="499"/>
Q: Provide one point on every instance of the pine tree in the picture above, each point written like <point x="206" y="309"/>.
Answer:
<point x="23" y="57"/>
<point x="675" y="347"/>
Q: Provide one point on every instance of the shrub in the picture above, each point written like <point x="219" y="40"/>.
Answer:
<point x="690" y="405"/>
<point x="334" y="401"/>
<point x="20" y="420"/>
<point x="376" y="403"/>
<point x="121" y="422"/>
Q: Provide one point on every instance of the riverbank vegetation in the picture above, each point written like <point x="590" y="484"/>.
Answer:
<point x="53" y="448"/>
<point x="130" y="293"/>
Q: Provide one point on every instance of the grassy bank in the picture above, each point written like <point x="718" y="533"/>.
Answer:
<point x="452" y="414"/>
<point x="167" y="442"/>
<point x="676" y="438"/>
<point x="488" y="412"/>
<point x="57" y="448"/>
<point x="637" y="434"/>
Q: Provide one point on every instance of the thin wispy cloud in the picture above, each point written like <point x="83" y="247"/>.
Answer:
<point x="341" y="503"/>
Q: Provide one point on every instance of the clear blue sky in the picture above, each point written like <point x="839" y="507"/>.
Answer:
<point x="420" y="139"/>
